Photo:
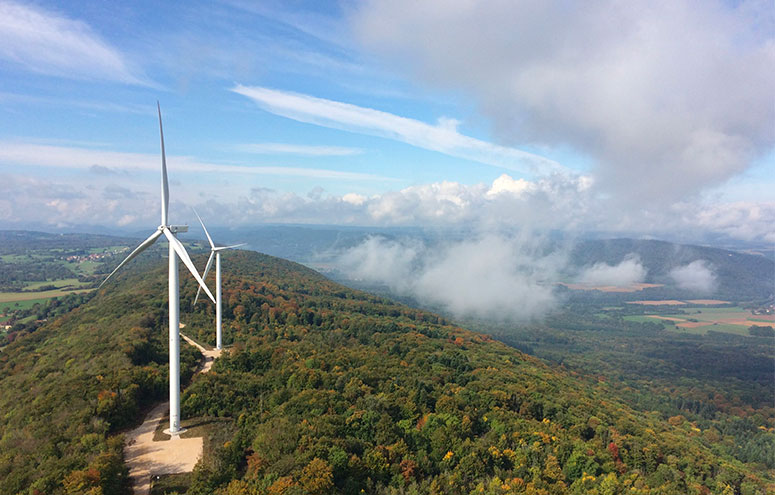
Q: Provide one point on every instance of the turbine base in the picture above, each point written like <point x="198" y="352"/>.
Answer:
<point x="175" y="434"/>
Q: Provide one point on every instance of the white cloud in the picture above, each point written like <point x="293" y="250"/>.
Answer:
<point x="354" y="199"/>
<point x="629" y="271"/>
<point x="506" y="184"/>
<point x="38" y="201"/>
<point x="696" y="276"/>
<point x="496" y="277"/>
<point x="740" y="220"/>
<point x="50" y="43"/>
<point x="382" y="261"/>
<point x="298" y="149"/>
<point x="20" y="153"/>
<point x="557" y="202"/>
<point x="666" y="98"/>
<point x="443" y="137"/>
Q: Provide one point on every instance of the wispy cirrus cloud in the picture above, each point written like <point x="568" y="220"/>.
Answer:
<point x="87" y="105"/>
<point x="34" y="154"/>
<point x="442" y="137"/>
<point x="297" y="149"/>
<point x="50" y="43"/>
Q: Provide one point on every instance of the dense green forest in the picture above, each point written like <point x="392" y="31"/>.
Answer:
<point x="325" y="390"/>
<point x="720" y="382"/>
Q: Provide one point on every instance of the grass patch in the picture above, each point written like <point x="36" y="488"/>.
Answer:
<point x="638" y="318"/>
<point x="8" y="306"/>
<point x="170" y="483"/>
<point x="761" y="320"/>
<point x="212" y="429"/>
<point x="13" y="297"/>
<point x="89" y="267"/>
<point x="69" y="283"/>
<point x="18" y="258"/>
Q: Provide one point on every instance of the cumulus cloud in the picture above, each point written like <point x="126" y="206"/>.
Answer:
<point x="559" y="201"/>
<point x="489" y="276"/>
<point x="29" y="200"/>
<point x="696" y="276"/>
<point x="666" y="97"/>
<point x="50" y="43"/>
<point x="629" y="271"/>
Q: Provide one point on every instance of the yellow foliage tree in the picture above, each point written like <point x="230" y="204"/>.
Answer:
<point x="317" y="477"/>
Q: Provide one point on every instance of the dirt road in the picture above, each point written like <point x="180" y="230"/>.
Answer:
<point x="147" y="458"/>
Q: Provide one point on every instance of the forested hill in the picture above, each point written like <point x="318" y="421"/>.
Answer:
<point x="328" y="390"/>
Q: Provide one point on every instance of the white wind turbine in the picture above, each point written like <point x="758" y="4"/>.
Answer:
<point x="175" y="249"/>
<point x="214" y="252"/>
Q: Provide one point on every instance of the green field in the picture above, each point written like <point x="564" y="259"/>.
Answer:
<point x="728" y="320"/>
<point x="68" y="283"/>
<point x="18" y="258"/>
<point x="14" y="297"/>
<point x="6" y="306"/>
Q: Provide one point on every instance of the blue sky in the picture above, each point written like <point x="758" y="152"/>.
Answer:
<point x="626" y="118"/>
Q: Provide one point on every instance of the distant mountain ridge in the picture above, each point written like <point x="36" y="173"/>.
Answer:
<point x="739" y="275"/>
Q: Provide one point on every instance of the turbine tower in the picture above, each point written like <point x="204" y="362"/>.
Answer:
<point x="214" y="252"/>
<point x="175" y="249"/>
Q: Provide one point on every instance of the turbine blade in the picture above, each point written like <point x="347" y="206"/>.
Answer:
<point x="204" y="273"/>
<point x="209" y="265"/>
<point x="165" y="188"/>
<point x="178" y="247"/>
<point x="139" y="249"/>
<point x="212" y="244"/>
<point x="231" y="247"/>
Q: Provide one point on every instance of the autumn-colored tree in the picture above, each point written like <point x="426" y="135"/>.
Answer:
<point x="82" y="482"/>
<point x="238" y="487"/>
<point x="317" y="477"/>
<point x="282" y="486"/>
<point x="408" y="470"/>
<point x="552" y="470"/>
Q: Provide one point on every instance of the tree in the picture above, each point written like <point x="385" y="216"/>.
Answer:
<point x="317" y="477"/>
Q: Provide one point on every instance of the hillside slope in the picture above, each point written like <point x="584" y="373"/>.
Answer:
<point x="67" y="388"/>
<point x="328" y="390"/>
<point x="334" y="390"/>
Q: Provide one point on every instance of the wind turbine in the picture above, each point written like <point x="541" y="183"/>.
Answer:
<point x="214" y="252"/>
<point x="175" y="249"/>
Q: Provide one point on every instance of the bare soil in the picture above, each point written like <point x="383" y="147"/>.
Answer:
<point x="147" y="458"/>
